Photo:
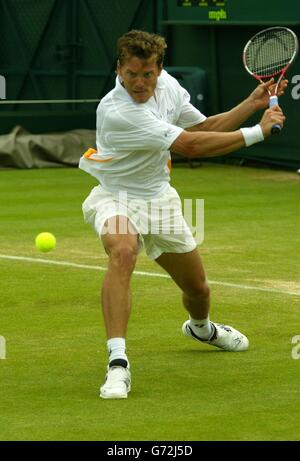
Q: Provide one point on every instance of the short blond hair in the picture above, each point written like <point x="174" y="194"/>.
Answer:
<point x="142" y="45"/>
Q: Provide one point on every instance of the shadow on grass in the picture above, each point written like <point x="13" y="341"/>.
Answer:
<point x="198" y="351"/>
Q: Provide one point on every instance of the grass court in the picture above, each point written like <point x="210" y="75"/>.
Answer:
<point x="52" y="322"/>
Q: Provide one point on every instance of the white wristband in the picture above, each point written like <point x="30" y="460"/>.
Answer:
<point x="252" y="135"/>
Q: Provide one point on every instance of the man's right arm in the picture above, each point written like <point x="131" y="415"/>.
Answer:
<point x="212" y="144"/>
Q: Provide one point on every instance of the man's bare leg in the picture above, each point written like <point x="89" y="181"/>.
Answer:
<point x="187" y="271"/>
<point x="122" y="249"/>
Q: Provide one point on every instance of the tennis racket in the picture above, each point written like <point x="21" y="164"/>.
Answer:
<point x="270" y="53"/>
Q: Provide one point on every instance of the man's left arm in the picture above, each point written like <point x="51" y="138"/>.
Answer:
<point x="231" y="120"/>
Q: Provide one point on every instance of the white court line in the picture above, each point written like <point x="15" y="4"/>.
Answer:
<point x="147" y="274"/>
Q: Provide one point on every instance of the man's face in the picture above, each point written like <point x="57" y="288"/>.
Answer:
<point x="140" y="77"/>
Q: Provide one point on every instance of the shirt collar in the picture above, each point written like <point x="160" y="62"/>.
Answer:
<point x="122" y="93"/>
<point x="160" y="81"/>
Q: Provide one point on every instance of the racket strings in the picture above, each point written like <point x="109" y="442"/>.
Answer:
<point x="269" y="53"/>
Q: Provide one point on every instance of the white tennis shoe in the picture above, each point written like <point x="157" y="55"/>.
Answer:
<point x="223" y="336"/>
<point x="117" y="383"/>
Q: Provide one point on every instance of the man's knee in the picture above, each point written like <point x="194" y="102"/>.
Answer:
<point x="201" y="290"/>
<point x="122" y="254"/>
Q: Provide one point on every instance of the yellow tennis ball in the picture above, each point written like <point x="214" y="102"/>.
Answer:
<point x="45" y="241"/>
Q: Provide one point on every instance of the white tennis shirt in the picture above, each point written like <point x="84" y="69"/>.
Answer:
<point x="133" y="139"/>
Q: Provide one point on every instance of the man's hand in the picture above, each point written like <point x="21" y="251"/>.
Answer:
<point x="271" y="117"/>
<point x="260" y="96"/>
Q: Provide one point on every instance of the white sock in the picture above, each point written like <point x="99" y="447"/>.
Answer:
<point x="201" y="328"/>
<point x="117" y="351"/>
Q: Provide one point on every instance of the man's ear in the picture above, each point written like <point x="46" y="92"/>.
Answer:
<point x="160" y="68"/>
<point x="118" y="67"/>
<point x="118" y="71"/>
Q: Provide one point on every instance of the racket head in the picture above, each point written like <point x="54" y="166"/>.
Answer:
<point x="270" y="52"/>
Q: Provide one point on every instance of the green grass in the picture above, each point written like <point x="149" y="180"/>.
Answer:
<point x="51" y="319"/>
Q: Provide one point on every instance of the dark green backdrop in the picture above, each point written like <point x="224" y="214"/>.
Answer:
<point x="217" y="44"/>
<point x="62" y="49"/>
<point x="65" y="49"/>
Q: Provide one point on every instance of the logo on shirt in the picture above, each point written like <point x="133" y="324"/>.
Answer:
<point x="170" y="112"/>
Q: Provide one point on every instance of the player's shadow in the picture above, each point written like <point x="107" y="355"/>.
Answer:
<point x="199" y="351"/>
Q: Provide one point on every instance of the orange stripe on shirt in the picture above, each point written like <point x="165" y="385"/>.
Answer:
<point x="89" y="156"/>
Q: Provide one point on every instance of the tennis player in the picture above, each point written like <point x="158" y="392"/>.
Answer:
<point x="147" y="115"/>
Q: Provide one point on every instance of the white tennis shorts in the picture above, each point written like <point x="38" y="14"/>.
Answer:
<point x="159" y="222"/>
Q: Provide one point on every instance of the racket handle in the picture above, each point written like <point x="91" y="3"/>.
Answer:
<point x="274" y="102"/>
